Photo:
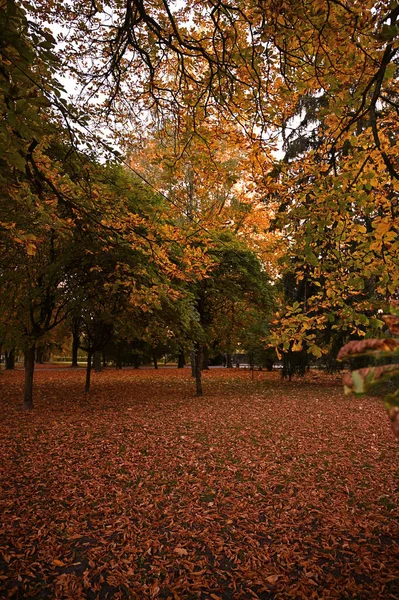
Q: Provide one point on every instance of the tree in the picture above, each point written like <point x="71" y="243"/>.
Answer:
<point x="233" y="284"/>
<point x="335" y="193"/>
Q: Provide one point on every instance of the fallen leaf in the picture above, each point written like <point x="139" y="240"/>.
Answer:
<point x="272" y="578"/>
<point x="58" y="563"/>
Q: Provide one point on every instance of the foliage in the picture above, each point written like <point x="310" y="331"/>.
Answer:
<point x="335" y="192"/>
<point x="363" y="380"/>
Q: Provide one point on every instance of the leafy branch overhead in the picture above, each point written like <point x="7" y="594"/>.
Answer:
<point x="364" y="380"/>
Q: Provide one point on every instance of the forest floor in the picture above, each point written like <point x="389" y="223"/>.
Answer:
<point x="260" y="489"/>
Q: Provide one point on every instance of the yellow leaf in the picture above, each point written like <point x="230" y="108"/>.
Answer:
<point x="31" y="249"/>
<point x="297" y="346"/>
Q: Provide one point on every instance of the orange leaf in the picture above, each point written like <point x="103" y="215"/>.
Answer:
<point x="58" y="563"/>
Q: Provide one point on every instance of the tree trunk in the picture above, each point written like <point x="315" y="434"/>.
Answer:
<point x="97" y="361"/>
<point x="88" y="372"/>
<point x="154" y="360"/>
<point x="229" y="362"/>
<point x="39" y="356"/>
<point x="75" y="348"/>
<point x="10" y="359"/>
<point x="104" y="360"/>
<point x="198" y="364"/>
<point x="205" y="358"/>
<point x="29" y="370"/>
<point x="192" y="360"/>
<point x="181" y="361"/>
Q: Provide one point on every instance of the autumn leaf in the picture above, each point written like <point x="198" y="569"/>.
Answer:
<point x="181" y="551"/>
<point x="58" y="563"/>
<point x="359" y="347"/>
<point x="272" y="579"/>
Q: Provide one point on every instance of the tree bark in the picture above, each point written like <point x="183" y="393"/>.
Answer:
<point x="97" y="361"/>
<point x="39" y="356"/>
<point x="181" y="361"/>
<point x="29" y="370"/>
<point x="198" y="364"/>
<point x="205" y="358"/>
<point x="75" y="348"/>
<point x="10" y="359"/>
<point x="229" y="362"/>
<point x="75" y="345"/>
<point x="88" y="372"/>
<point x="192" y="360"/>
<point x="154" y="360"/>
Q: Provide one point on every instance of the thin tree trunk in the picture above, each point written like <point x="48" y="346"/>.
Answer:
<point x="205" y="358"/>
<point x="29" y="370"/>
<point x="75" y="348"/>
<point x="10" y="359"/>
<point x="229" y="362"/>
<point x="154" y="360"/>
<point x="198" y="364"/>
<point x="88" y="372"/>
<point x="104" y="360"/>
<point x="97" y="361"/>
<point x="39" y="356"/>
<point x="181" y="361"/>
<point x="192" y="360"/>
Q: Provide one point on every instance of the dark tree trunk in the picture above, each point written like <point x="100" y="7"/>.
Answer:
<point x="75" y="348"/>
<point x="287" y="367"/>
<point x="181" y="361"/>
<point x="205" y="358"/>
<point x="97" y="361"/>
<point x="198" y="363"/>
<point x="29" y="370"/>
<point x="10" y="359"/>
<point x="192" y="360"/>
<point x="39" y="356"/>
<point x="229" y="362"/>
<point x="88" y="372"/>
<point x="104" y="360"/>
<point x="118" y="361"/>
<point x="154" y="360"/>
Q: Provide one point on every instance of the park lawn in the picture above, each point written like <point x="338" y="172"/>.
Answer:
<point x="260" y="489"/>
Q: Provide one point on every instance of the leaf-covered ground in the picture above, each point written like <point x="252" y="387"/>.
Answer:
<point x="259" y="489"/>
